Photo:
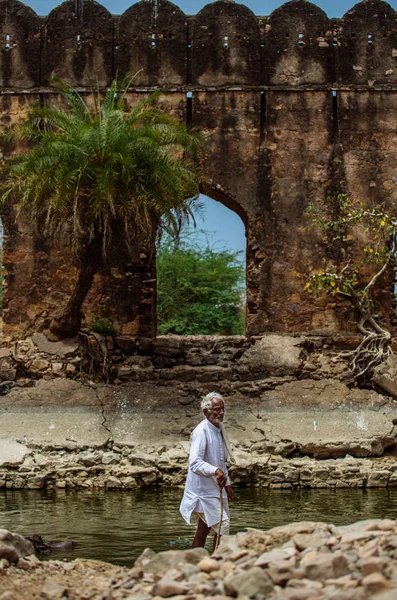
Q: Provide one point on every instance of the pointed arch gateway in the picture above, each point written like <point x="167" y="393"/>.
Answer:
<point x="201" y="276"/>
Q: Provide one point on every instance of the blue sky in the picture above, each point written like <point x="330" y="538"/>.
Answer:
<point x="335" y="8"/>
<point x="224" y="227"/>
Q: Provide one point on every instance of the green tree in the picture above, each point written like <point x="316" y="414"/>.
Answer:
<point x="365" y="239"/>
<point x="110" y="172"/>
<point x="199" y="291"/>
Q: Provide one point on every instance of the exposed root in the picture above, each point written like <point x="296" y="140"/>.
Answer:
<point x="96" y="355"/>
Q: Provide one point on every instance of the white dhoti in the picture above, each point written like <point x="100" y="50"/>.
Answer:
<point x="202" y="492"/>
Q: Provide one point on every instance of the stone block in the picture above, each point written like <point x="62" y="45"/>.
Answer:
<point x="249" y="583"/>
<point x="274" y="355"/>
<point x="171" y="346"/>
<point x="378" y="479"/>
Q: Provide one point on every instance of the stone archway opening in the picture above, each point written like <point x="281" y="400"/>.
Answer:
<point x="201" y="275"/>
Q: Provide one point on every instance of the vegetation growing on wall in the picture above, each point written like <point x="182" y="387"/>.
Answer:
<point x="200" y="290"/>
<point x="367" y="239"/>
<point x="109" y="173"/>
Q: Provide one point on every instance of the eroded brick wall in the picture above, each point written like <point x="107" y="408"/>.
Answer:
<point x="293" y="104"/>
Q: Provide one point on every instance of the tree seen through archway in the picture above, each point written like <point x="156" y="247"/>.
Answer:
<point x="201" y="275"/>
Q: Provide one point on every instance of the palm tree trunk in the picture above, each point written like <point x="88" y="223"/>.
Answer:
<point x="68" y="321"/>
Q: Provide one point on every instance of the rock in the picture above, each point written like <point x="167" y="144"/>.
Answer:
<point x="39" y="365"/>
<point x="4" y="564"/>
<point x="12" y="453"/>
<point x="126" y="343"/>
<point x="167" y="588"/>
<point x="150" y="478"/>
<point x="57" y="368"/>
<point x="139" y="362"/>
<point x="385" y="376"/>
<point x="374" y="564"/>
<point x="209" y="565"/>
<point x="282" y="571"/>
<point x="170" y="346"/>
<point x="164" y="561"/>
<point x="62" y="349"/>
<point x="53" y="590"/>
<point x="24" y="349"/>
<point x="8" y="371"/>
<point x="110" y="458"/>
<point x="275" y="555"/>
<point x="323" y="566"/>
<point x="90" y="459"/>
<point x="378" y="479"/>
<point x="249" y="583"/>
<point x="13" y="546"/>
<point x="274" y="356"/>
<point x="27" y="563"/>
<point x="375" y="583"/>
<point x="113" y="483"/>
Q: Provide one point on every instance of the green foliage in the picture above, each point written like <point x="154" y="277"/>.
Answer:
<point x="101" y="166"/>
<point x="103" y="326"/>
<point x="343" y="218"/>
<point x="358" y="271"/>
<point x="199" y="291"/>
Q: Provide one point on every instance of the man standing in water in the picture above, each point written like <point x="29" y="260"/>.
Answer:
<point x="207" y="474"/>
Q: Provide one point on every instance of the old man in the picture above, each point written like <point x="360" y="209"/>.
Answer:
<point x="207" y="476"/>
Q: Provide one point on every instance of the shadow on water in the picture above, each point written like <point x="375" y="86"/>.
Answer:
<point x="117" y="526"/>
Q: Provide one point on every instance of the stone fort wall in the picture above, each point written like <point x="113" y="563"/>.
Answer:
<point x="293" y="105"/>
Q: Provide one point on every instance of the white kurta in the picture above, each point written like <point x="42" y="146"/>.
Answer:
<point x="201" y="490"/>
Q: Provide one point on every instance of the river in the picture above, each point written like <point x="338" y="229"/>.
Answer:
<point x="117" y="526"/>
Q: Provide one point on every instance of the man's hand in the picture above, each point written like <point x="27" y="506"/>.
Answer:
<point x="220" y="478"/>
<point x="229" y="492"/>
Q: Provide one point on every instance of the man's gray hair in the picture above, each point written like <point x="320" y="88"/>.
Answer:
<point x="206" y="401"/>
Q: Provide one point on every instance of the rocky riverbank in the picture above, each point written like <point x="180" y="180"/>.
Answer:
<point x="116" y="467"/>
<point x="299" y="561"/>
<point x="293" y="418"/>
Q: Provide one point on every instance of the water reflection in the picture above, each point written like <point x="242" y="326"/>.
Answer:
<point x="117" y="526"/>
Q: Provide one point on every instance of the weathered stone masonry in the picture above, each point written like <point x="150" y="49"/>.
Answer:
<point x="292" y="104"/>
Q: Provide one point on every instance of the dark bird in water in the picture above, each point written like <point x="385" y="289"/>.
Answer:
<point x="42" y="547"/>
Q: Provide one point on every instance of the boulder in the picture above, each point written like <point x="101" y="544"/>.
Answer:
<point x="8" y="371"/>
<point x="249" y="583"/>
<point x="13" y="546"/>
<point x="12" y="453"/>
<point x="274" y="356"/>
<point x="62" y="348"/>
<point x="385" y="376"/>
<point x="172" y="346"/>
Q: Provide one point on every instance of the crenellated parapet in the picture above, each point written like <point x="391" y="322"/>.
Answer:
<point x="225" y="44"/>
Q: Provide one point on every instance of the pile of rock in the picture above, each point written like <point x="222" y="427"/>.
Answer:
<point x="299" y="561"/>
<point x="293" y="562"/>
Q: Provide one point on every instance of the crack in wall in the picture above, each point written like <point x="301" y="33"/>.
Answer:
<point x="104" y="418"/>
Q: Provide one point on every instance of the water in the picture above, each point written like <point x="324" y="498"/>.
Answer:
<point x="117" y="526"/>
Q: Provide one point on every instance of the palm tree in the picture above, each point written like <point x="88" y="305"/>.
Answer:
<point x="109" y="172"/>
